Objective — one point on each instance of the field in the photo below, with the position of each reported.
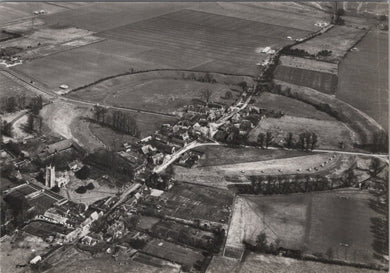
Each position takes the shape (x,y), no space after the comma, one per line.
(309,64)
(9,87)
(330,133)
(19,252)
(189,201)
(364,76)
(221,155)
(321,81)
(205,37)
(362,125)
(313,222)
(330,40)
(260,263)
(75,261)
(161,91)
(162,36)
(302,16)
(226,175)
(290,106)
(173,252)
(13,11)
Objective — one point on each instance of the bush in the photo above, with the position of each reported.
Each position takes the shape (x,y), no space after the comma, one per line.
(90,186)
(83,173)
(56,189)
(81,190)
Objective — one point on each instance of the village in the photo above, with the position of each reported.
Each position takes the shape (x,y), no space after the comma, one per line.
(224,171)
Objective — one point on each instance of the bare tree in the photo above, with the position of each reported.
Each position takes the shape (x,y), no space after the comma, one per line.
(206,94)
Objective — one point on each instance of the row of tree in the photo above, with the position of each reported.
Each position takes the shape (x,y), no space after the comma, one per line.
(20,102)
(117,120)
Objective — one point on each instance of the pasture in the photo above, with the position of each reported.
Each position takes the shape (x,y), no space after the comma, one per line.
(147,124)
(364,76)
(162,91)
(290,106)
(330,133)
(334,225)
(221,155)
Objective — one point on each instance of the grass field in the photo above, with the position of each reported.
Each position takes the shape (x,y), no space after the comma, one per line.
(291,107)
(330,133)
(147,124)
(330,40)
(362,125)
(220,155)
(20,252)
(161,91)
(313,222)
(364,76)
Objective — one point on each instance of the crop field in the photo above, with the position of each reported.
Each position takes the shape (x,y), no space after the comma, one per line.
(330,40)
(309,64)
(313,222)
(364,76)
(276,13)
(321,81)
(290,106)
(204,36)
(164,36)
(79,66)
(163,91)
(9,87)
(14,11)
(330,133)
(220,155)
(262,263)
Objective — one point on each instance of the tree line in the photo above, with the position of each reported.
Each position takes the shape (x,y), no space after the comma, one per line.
(115,119)
(15,103)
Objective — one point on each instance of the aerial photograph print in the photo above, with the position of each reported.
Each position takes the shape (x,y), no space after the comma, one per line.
(192,136)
